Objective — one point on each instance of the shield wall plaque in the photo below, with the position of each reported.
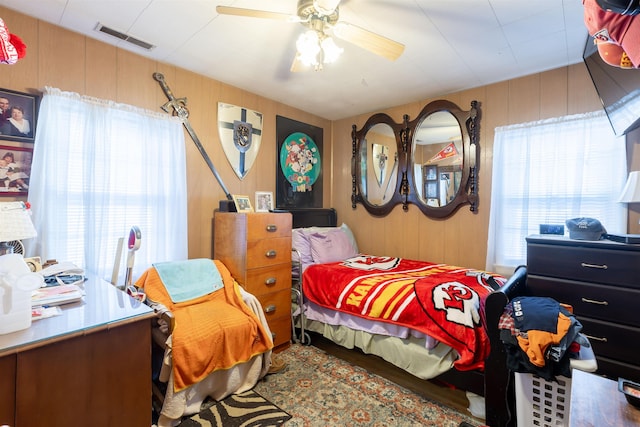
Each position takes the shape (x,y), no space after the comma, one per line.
(240,131)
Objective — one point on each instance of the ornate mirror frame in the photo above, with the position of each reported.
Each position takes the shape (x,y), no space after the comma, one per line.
(394,183)
(402,169)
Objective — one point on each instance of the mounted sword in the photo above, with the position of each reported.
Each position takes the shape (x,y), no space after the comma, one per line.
(179,106)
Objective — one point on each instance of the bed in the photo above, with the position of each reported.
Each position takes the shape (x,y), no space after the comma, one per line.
(467,357)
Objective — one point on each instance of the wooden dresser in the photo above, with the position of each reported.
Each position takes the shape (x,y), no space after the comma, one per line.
(601,280)
(256,248)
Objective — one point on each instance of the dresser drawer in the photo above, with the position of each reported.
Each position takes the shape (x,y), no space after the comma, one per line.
(276,304)
(266,252)
(268,279)
(610,303)
(267,225)
(617,342)
(280,330)
(615,369)
(599,265)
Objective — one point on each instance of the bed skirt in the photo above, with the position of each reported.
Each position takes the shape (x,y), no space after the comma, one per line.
(409,354)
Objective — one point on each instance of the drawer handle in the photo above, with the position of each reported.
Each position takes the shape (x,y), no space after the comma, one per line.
(271,228)
(598,266)
(270,281)
(601,339)
(270,254)
(592,301)
(270,308)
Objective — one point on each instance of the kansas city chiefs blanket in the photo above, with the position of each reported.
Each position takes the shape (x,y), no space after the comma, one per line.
(440,300)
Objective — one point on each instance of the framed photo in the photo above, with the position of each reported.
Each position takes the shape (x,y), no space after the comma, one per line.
(18,115)
(264,201)
(430,173)
(432,189)
(15,170)
(243,203)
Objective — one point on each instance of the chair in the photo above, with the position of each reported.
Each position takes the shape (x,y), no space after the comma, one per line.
(211,337)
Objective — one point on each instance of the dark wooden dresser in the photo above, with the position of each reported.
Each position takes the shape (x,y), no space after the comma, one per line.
(601,280)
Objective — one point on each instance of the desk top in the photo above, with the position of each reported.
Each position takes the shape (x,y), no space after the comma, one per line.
(103,306)
(596,401)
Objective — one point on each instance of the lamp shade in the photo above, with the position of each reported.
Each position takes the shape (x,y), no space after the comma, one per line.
(15,222)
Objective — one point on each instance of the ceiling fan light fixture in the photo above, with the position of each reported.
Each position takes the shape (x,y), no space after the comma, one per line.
(330,50)
(325,7)
(308,46)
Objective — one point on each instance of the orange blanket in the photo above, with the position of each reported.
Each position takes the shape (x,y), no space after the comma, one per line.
(216,331)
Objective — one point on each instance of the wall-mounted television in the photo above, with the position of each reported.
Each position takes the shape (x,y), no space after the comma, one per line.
(618,88)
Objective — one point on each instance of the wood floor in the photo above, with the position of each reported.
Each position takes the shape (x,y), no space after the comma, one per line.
(448,396)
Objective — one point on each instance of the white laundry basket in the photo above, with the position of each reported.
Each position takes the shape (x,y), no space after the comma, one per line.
(542,403)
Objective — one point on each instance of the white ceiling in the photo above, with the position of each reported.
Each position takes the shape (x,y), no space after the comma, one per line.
(451,45)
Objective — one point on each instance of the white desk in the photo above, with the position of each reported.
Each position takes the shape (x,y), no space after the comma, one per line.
(89,366)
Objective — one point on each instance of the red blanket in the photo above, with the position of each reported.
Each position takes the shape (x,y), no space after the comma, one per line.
(439,300)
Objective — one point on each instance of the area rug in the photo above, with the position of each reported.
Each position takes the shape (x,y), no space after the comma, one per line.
(245,409)
(318,389)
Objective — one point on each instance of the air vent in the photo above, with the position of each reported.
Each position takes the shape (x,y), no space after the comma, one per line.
(124,37)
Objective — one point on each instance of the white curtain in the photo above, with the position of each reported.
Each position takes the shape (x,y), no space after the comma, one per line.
(100,168)
(549,171)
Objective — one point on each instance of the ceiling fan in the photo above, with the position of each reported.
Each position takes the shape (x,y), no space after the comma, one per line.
(322,18)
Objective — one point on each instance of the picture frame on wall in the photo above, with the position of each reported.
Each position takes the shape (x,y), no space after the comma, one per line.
(18,116)
(15,170)
(243,203)
(264,201)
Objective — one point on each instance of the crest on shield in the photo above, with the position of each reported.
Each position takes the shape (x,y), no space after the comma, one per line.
(240,131)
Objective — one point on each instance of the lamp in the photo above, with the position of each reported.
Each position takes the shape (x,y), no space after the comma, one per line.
(312,44)
(15,225)
(631,192)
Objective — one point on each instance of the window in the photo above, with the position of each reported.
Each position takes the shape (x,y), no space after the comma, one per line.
(547,172)
(100,168)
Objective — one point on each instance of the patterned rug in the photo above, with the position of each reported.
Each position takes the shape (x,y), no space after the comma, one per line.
(244,409)
(318,389)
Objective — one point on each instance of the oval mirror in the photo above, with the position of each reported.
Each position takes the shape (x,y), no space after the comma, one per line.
(376,164)
(440,159)
(437,156)
(378,177)
(429,162)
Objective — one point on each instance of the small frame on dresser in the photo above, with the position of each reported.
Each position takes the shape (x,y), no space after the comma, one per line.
(18,115)
(264,201)
(243,203)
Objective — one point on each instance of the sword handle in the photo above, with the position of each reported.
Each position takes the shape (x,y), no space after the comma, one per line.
(159,77)
(178,105)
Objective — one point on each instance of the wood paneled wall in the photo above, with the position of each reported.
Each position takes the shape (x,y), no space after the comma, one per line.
(462,238)
(71,62)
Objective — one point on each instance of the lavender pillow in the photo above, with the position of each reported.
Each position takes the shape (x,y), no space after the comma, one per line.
(331,246)
(300,242)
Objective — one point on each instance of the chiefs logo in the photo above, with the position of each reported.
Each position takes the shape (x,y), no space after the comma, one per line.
(368,263)
(458,302)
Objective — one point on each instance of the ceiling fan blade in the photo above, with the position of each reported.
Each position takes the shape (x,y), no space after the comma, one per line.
(253,13)
(368,40)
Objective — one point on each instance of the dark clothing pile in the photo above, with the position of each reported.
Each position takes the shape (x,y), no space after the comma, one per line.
(540,336)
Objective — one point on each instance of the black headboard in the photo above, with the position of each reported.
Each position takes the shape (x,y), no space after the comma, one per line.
(310,217)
